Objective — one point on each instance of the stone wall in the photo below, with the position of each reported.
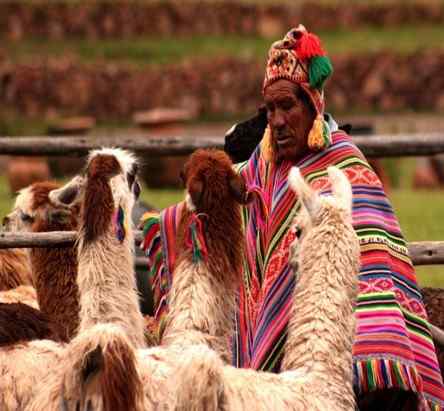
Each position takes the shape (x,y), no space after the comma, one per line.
(382,81)
(107,19)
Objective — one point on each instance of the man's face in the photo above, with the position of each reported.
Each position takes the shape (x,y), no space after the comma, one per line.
(290,116)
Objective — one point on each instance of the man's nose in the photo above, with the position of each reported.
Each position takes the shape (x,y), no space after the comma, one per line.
(278,122)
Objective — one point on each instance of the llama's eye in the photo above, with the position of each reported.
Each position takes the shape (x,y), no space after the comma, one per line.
(298,231)
(130,178)
(137,190)
(26,218)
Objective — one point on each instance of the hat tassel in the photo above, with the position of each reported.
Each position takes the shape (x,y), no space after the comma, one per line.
(319,136)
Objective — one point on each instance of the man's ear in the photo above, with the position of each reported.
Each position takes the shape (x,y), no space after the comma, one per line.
(238,189)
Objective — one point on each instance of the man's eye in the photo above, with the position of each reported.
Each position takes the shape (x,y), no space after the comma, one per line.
(287,105)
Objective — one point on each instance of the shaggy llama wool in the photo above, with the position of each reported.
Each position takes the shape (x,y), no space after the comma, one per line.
(322,324)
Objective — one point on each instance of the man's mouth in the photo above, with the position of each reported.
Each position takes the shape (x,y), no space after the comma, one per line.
(283,141)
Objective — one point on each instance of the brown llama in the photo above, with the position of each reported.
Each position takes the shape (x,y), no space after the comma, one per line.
(46,375)
(54,269)
(20,322)
(106,278)
(206,276)
(15,268)
(322,324)
(199,307)
(111,326)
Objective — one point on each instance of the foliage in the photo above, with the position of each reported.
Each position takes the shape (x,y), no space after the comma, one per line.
(148,50)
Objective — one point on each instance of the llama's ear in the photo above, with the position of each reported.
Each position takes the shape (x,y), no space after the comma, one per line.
(93,363)
(195,191)
(305,193)
(341,187)
(67,195)
(238,189)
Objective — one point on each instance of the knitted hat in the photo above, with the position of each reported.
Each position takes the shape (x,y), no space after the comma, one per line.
(300,58)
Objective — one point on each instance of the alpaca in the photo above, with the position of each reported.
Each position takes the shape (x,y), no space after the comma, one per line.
(20,322)
(15,269)
(202,299)
(54,269)
(115,170)
(200,308)
(106,278)
(55,272)
(322,324)
(242,138)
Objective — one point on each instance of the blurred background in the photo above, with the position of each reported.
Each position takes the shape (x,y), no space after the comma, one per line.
(161,67)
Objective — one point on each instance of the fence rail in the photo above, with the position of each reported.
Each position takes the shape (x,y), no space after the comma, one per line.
(384,145)
(422,253)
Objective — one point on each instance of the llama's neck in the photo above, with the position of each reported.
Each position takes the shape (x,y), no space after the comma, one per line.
(55,274)
(322,324)
(107,285)
(201,309)
(202,297)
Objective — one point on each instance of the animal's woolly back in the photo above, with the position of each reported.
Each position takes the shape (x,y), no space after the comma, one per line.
(327,258)
(106,194)
(210,246)
(341,190)
(54,270)
(321,325)
(214,193)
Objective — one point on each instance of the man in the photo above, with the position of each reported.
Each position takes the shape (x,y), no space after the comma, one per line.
(395,363)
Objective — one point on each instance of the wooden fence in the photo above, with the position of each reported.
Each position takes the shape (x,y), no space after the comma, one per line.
(422,253)
(372,146)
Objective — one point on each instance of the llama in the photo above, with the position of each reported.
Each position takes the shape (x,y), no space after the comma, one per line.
(114,172)
(15,269)
(54,270)
(106,276)
(19,322)
(206,276)
(111,325)
(200,308)
(321,326)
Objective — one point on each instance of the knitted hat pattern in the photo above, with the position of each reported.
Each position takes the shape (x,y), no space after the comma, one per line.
(300,58)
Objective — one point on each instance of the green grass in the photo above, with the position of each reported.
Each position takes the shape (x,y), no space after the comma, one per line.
(143,51)
(419,214)
(162,197)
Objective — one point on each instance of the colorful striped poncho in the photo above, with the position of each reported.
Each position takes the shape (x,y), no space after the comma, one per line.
(393,347)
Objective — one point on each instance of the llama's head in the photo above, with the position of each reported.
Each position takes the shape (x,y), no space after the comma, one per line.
(243,138)
(106,192)
(315,207)
(211,183)
(98,373)
(28,203)
(317,210)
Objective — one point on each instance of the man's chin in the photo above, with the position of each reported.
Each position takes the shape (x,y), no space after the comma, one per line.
(284,153)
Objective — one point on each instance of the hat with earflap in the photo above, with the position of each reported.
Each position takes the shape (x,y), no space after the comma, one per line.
(300,58)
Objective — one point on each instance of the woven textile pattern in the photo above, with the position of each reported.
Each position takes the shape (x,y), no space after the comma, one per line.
(393,345)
